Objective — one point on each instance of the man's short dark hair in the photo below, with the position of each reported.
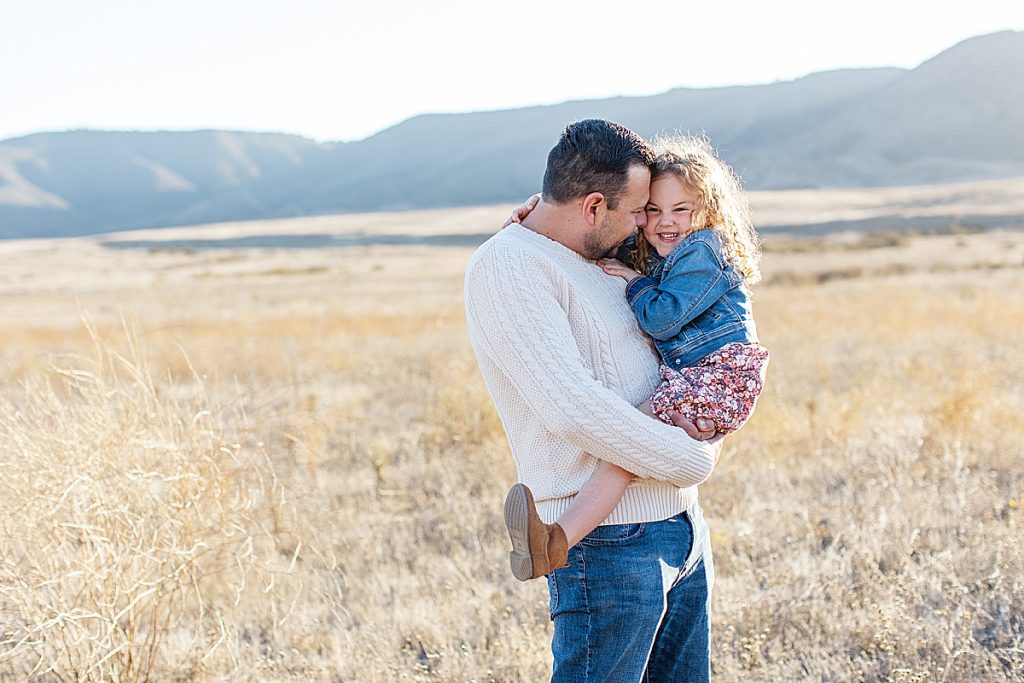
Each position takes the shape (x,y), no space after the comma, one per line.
(594,155)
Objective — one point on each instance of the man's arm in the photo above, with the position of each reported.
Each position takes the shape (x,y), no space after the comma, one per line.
(516,320)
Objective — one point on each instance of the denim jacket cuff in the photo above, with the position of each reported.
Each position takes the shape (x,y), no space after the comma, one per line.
(639,285)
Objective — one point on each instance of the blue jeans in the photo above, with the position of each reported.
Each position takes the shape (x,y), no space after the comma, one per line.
(632,606)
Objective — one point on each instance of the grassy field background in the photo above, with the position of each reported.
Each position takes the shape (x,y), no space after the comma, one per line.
(244,463)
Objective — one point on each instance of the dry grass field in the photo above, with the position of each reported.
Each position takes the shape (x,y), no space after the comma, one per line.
(280,464)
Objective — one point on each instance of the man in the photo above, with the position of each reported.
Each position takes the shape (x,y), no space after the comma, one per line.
(566,364)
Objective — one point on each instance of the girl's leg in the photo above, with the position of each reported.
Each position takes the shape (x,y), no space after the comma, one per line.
(595,501)
(538,548)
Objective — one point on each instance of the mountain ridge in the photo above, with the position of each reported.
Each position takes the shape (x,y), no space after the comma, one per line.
(954,117)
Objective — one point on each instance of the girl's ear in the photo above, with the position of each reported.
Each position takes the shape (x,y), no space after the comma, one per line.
(701,216)
(697,215)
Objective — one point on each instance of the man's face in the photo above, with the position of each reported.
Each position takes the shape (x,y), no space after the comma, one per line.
(622,221)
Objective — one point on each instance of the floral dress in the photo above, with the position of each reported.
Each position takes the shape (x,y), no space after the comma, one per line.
(723,387)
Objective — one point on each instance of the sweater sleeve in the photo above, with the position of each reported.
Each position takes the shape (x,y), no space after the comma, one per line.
(515,318)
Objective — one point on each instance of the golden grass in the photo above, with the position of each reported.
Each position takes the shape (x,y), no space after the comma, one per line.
(290,470)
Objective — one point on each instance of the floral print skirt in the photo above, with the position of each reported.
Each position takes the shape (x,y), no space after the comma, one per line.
(723,386)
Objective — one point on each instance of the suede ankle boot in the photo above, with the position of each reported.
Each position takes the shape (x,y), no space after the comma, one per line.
(537,548)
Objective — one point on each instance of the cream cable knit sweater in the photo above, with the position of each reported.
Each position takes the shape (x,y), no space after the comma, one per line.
(566,364)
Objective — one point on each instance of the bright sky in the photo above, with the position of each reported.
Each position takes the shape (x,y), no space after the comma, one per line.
(342,70)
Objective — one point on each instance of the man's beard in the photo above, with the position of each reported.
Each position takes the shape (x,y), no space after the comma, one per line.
(598,243)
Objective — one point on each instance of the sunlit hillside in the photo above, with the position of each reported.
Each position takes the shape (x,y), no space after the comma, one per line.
(949,119)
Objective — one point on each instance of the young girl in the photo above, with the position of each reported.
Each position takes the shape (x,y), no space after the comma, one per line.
(687,280)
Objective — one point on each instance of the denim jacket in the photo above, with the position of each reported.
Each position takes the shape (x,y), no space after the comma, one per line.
(693,302)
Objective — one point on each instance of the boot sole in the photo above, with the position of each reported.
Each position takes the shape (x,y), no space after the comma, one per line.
(518,522)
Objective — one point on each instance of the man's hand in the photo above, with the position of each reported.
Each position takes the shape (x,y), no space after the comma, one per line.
(522,211)
(703,430)
(615,267)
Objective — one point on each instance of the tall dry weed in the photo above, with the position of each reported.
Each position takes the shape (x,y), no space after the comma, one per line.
(138,522)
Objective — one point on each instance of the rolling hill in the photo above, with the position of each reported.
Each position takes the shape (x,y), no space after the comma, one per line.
(956,117)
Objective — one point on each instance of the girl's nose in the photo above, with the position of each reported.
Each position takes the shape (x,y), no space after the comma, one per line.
(665,218)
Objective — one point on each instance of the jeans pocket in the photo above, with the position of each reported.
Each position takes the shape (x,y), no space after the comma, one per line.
(690,555)
(552,595)
(614,534)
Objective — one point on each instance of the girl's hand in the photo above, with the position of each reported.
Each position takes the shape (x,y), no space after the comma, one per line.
(521,212)
(618,268)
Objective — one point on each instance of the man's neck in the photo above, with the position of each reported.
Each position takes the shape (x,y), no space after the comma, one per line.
(558,223)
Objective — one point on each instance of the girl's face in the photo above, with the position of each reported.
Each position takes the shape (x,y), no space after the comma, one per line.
(668,213)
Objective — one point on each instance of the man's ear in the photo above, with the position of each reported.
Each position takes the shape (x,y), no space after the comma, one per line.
(594,207)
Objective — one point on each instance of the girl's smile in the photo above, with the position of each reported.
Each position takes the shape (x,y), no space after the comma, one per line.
(669,213)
